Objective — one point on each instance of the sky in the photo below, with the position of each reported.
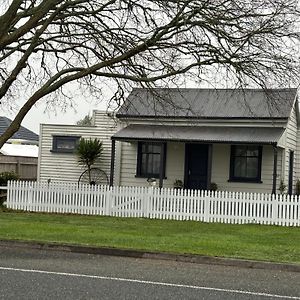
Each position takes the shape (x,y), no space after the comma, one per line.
(37,115)
(82,104)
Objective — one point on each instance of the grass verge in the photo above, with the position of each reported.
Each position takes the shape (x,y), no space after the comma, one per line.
(258,242)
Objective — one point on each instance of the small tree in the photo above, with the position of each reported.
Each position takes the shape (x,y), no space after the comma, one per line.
(86,121)
(88,152)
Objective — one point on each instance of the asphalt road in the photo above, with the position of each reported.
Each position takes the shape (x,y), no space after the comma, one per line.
(41,274)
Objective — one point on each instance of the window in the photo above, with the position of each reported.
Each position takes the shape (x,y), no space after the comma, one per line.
(149,158)
(64,144)
(245,163)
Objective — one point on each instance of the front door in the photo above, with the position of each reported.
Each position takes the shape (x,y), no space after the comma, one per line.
(196,166)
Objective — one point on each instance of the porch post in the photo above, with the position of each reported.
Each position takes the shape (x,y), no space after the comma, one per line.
(161,167)
(275,152)
(112,162)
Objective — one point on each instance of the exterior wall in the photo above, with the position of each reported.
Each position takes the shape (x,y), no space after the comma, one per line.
(174,165)
(220,168)
(64,166)
(291,145)
(297,162)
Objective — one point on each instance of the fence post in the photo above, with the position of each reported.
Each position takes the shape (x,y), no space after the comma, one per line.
(206,206)
(108,206)
(9,199)
(147,203)
(275,203)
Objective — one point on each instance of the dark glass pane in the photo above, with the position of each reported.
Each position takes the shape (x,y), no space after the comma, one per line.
(144,148)
(240,167)
(150,164)
(252,167)
(144,164)
(65,144)
(252,151)
(155,164)
(156,148)
(241,151)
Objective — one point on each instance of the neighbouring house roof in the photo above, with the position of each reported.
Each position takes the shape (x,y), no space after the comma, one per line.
(255,135)
(209,103)
(20,150)
(23,133)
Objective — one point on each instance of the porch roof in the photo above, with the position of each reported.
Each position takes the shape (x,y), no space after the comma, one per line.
(211,134)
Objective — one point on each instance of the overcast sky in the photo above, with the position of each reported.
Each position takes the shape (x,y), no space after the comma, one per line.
(38,115)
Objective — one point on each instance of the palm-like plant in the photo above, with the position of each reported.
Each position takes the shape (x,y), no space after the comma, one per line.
(88,152)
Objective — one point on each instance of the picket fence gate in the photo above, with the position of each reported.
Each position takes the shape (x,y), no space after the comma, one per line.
(149,202)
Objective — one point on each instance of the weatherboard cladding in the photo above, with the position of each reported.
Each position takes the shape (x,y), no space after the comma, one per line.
(22,134)
(209,103)
(261,135)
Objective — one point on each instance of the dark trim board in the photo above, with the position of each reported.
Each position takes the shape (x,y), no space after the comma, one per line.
(291,172)
(191,141)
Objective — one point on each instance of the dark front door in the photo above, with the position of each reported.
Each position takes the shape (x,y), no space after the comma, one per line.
(196,166)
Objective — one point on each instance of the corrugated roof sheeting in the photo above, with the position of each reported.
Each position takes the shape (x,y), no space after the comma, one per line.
(209,103)
(20,150)
(255,135)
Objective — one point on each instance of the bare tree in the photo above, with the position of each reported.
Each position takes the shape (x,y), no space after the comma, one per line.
(46,44)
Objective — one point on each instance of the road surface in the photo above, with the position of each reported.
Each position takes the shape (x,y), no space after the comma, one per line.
(48,274)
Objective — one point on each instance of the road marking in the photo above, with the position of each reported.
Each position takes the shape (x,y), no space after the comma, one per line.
(151,282)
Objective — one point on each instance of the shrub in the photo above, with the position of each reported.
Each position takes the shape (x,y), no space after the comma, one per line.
(88,152)
(213,186)
(178,184)
(282,187)
(4,178)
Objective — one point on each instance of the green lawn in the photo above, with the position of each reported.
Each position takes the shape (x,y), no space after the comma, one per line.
(269,243)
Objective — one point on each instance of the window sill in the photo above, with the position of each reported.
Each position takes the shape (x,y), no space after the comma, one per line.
(244,180)
(63,152)
(148,176)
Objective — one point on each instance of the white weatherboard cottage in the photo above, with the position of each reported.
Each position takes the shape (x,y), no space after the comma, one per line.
(242,140)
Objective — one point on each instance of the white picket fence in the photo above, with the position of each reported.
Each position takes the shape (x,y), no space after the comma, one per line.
(220,206)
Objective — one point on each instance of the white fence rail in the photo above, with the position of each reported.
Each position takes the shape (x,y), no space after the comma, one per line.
(220,206)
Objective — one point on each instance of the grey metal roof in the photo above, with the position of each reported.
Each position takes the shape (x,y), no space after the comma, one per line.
(209,103)
(253,135)
(22,134)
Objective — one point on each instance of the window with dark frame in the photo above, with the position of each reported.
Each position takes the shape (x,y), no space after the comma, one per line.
(149,158)
(64,144)
(245,163)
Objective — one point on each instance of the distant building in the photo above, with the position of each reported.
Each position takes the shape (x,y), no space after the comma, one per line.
(20,153)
